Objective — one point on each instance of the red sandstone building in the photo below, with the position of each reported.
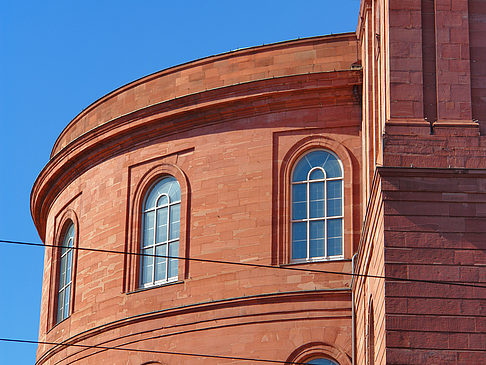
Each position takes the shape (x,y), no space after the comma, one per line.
(354,153)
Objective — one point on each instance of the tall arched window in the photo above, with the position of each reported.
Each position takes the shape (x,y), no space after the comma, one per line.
(160,233)
(65,274)
(317,207)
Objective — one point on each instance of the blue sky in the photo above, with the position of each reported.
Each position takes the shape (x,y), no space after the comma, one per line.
(57,57)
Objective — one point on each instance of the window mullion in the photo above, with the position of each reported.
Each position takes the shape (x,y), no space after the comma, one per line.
(308,219)
(61,275)
(68,279)
(70,252)
(325,218)
(60,308)
(142,249)
(167,246)
(155,245)
(342,216)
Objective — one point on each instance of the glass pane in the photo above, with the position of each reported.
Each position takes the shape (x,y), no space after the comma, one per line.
(316,195)
(299,240)
(60,306)
(334,237)
(163,200)
(334,189)
(316,209)
(334,207)
(71,235)
(175,216)
(299,211)
(163,186)
(299,197)
(334,202)
(316,241)
(151,199)
(316,175)
(299,231)
(167,185)
(148,232)
(161,235)
(68,239)
(317,158)
(161,263)
(62,273)
(301,170)
(334,228)
(147,265)
(332,167)
(316,229)
(321,361)
(316,248)
(174,191)
(299,250)
(69,257)
(173,262)
(66,301)
(335,246)
(299,193)
(316,190)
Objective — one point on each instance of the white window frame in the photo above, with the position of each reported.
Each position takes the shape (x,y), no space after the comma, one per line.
(325,218)
(156,244)
(68,241)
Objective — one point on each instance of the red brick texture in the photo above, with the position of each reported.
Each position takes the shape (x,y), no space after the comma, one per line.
(423,181)
(435,224)
(423,224)
(228,148)
(402,103)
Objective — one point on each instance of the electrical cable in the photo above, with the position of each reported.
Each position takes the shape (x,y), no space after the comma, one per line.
(16,340)
(443,282)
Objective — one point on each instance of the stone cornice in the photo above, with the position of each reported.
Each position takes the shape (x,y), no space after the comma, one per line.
(167,118)
(231,56)
(430,172)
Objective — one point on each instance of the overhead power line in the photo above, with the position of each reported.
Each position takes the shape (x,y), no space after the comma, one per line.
(247,264)
(99,347)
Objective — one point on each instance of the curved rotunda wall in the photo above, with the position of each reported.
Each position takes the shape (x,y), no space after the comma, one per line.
(318,54)
(232,160)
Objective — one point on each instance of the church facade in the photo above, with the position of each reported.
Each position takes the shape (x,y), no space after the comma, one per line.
(318,201)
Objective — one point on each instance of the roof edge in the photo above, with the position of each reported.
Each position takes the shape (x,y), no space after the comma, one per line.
(194,63)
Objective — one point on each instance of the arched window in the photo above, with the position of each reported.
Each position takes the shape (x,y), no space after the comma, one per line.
(317,207)
(321,361)
(65,274)
(160,233)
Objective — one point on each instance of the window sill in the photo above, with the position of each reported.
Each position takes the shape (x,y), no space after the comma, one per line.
(58,323)
(138,290)
(318,261)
